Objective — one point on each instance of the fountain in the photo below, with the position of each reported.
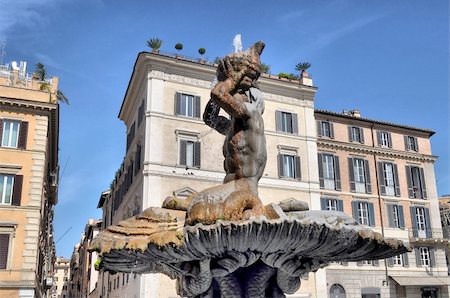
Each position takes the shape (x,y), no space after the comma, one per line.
(223,241)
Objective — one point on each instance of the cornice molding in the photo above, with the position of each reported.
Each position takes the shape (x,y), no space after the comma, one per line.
(27,104)
(374,150)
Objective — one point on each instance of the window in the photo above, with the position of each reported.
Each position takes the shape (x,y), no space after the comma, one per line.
(363,212)
(5,239)
(397,260)
(337,291)
(289,166)
(187,105)
(395,216)
(331,204)
(141,112)
(286,122)
(421,222)
(329,174)
(359,175)
(6,189)
(416,182)
(10,133)
(424,256)
(137,159)
(13,133)
(325,129)
(189,153)
(388,176)
(384,139)
(356,134)
(65,279)
(411,143)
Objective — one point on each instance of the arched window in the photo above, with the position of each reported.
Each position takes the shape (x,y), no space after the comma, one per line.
(337,291)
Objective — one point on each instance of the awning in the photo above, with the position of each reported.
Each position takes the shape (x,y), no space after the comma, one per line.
(422,281)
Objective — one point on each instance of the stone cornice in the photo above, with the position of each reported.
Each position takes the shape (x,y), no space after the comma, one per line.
(374,150)
(27,104)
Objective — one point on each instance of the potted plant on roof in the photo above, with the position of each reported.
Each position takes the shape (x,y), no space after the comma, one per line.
(201,51)
(178,47)
(154,44)
(302,67)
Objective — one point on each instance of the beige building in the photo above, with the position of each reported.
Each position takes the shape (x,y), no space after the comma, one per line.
(83,276)
(29,126)
(61,276)
(383,175)
(170,151)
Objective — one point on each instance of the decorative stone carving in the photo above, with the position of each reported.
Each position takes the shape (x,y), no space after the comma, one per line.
(222,241)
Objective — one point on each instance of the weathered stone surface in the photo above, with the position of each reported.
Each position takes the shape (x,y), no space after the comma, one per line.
(271,253)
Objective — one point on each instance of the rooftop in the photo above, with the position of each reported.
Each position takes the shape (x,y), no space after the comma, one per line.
(349,115)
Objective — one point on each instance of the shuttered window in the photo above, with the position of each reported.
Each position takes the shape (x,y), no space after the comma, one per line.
(425,257)
(395,216)
(329,171)
(356,134)
(384,139)
(137,159)
(411,143)
(416,182)
(325,129)
(363,213)
(289,166)
(4,249)
(190,153)
(286,122)
(421,222)
(13,133)
(388,179)
(10,189)
(187,105)
(359,175)
(331,204)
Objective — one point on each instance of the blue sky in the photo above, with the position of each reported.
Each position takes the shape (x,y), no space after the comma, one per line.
(390,59)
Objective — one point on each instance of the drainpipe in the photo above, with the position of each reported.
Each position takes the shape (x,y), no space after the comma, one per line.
(379,199)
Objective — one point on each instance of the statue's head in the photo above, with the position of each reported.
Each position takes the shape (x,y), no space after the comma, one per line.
(248,62)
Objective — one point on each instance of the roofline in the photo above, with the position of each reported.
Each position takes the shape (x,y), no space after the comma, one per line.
(101,201)
(425,130)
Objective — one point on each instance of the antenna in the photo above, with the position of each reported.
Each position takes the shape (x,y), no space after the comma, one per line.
(2,51)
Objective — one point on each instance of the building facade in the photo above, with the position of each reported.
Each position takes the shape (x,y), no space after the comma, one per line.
(29,126)
(329,160)
(83,276)
(168,150)
(61,274)
(382,174)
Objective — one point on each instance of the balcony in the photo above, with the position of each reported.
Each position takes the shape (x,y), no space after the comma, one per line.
(427,235)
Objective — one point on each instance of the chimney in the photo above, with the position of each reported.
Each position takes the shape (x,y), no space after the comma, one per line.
(354,113)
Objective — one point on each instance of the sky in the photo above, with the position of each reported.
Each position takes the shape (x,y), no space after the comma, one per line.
(389,59)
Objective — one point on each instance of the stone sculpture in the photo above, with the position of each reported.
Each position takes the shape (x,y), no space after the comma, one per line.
(222,241)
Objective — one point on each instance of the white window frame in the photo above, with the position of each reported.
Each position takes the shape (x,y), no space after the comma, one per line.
(288,165)
(356,134)
(187,105)
(8,140)
(384,139)
(421,223)
(389,179)
(286,123)
(359,175)
(425,256)
(6,192)
(328,171)
(397,260)
(396,216)
(411,143)
(325,129)
(363,213)
(331,204)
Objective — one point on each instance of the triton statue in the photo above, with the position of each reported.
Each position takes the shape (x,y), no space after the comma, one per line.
(222,241)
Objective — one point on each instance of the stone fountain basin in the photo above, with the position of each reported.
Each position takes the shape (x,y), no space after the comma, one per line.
(298,242)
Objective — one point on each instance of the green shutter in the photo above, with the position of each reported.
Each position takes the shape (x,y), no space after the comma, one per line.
(337,174)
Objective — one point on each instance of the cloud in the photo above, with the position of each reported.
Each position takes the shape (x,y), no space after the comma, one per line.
(292,15)
(327,38)
(23,12)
